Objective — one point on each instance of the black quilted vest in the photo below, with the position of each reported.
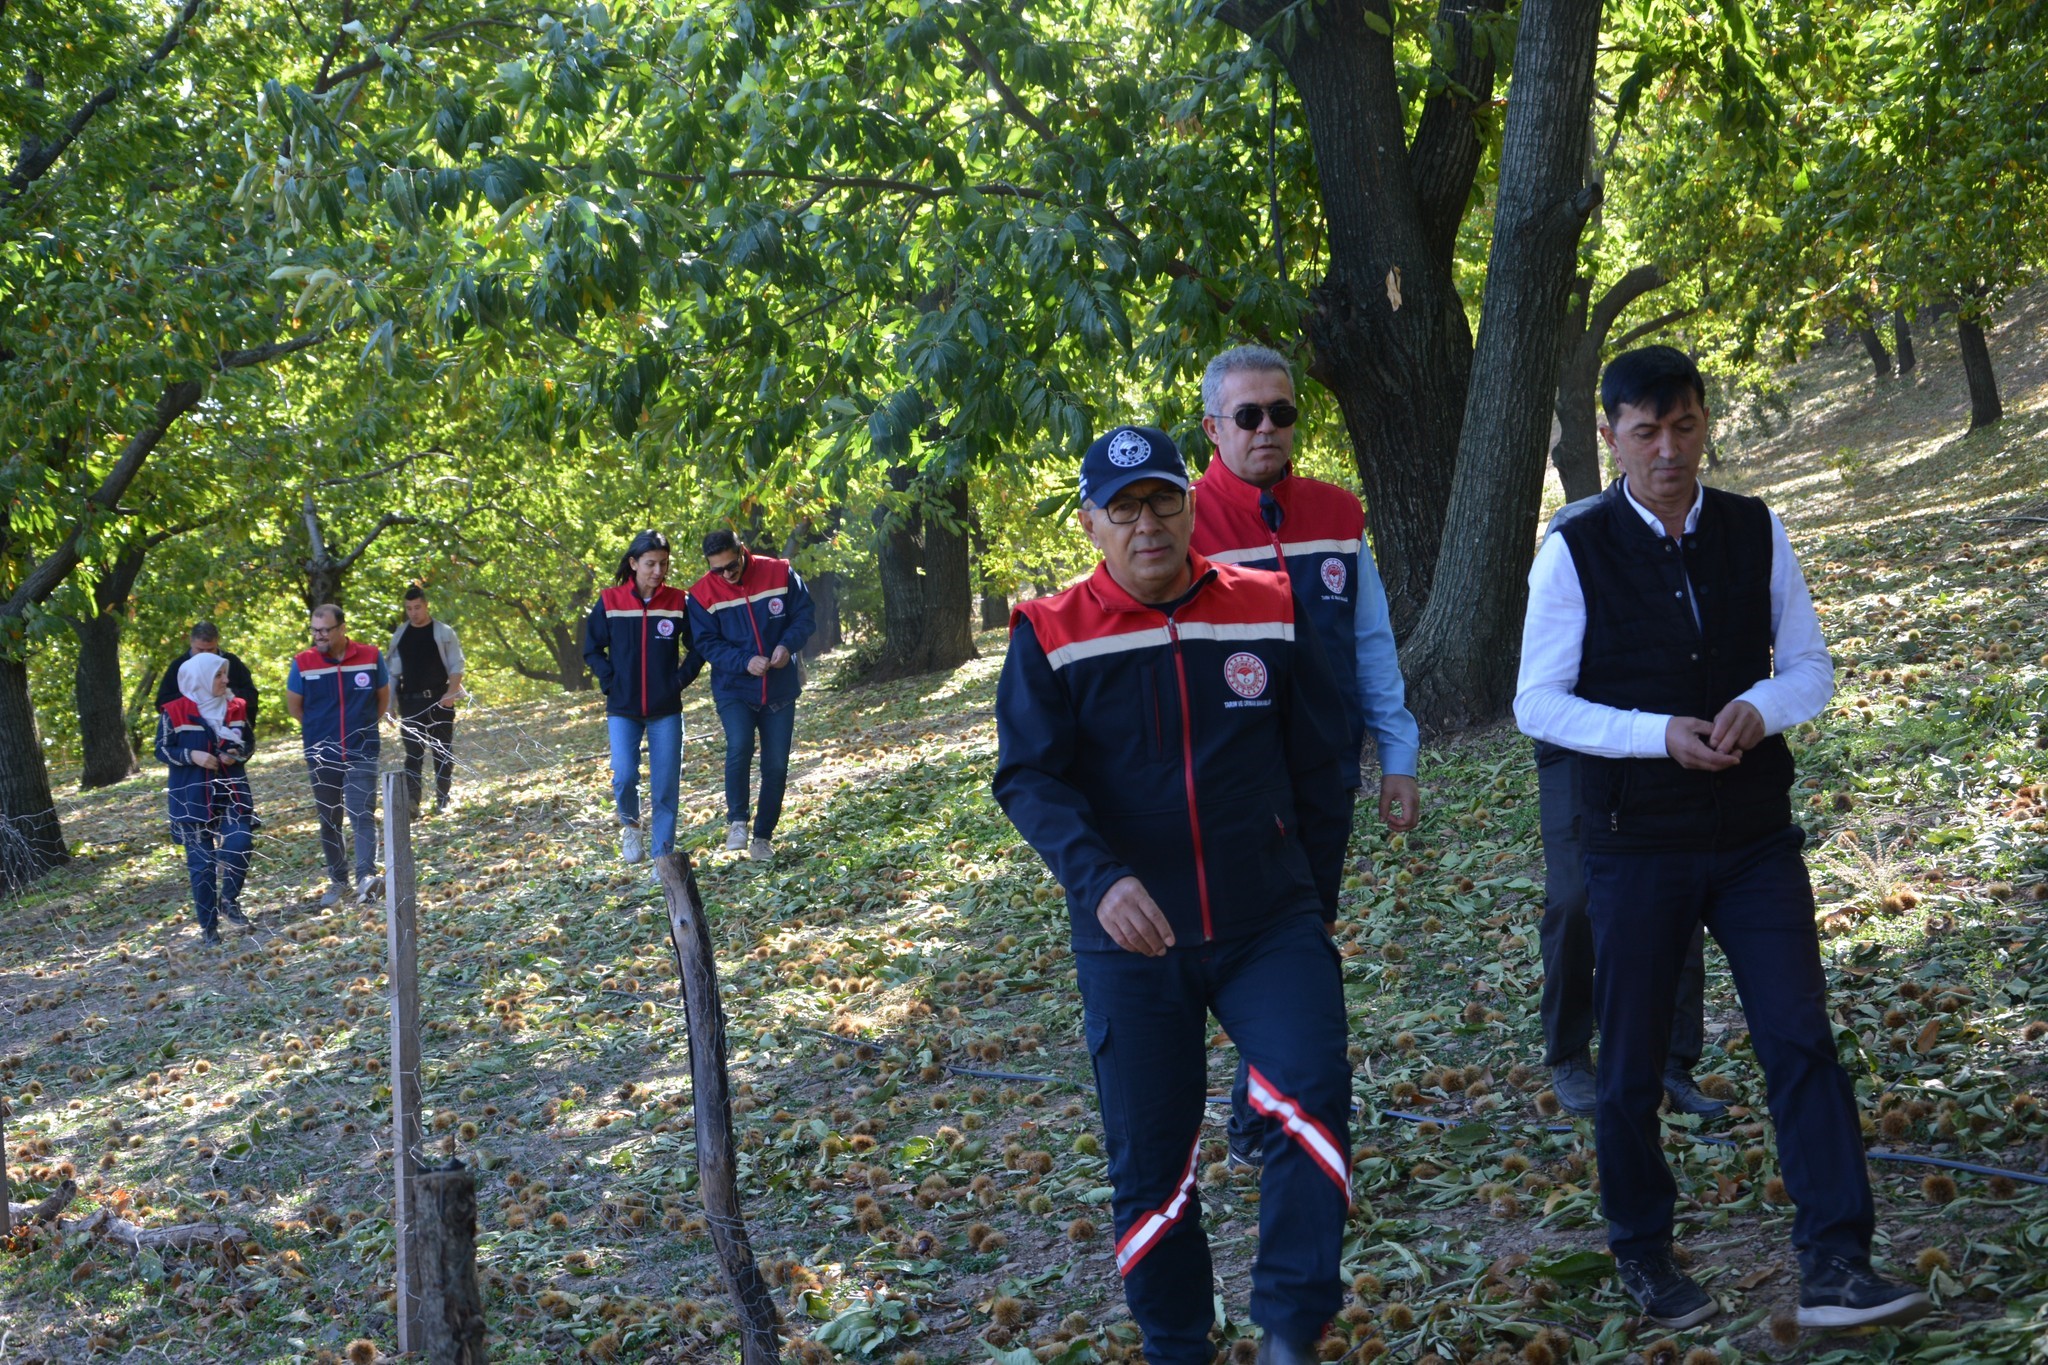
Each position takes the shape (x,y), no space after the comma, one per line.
(1644,651)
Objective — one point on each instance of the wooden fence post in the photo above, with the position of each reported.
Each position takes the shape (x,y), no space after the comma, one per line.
(401,907)
(451,1318)
(716,1175)
(6,1211)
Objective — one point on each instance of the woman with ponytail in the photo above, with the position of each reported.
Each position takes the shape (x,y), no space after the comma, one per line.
(637,643)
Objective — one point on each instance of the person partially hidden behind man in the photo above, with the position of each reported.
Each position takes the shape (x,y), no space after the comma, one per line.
(1172,742)
(1669,642)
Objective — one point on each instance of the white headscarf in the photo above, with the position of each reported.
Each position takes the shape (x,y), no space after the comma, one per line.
(195,680)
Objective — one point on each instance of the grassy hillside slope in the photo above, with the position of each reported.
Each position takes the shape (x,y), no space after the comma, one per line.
(905,941)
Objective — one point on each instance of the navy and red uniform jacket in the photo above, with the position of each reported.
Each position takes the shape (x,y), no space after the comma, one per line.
(339,721)
(1195,746)
(205,798)
(1314,532)
(734,622)
(640,652)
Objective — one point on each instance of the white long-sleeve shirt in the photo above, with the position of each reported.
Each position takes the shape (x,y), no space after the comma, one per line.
(1554,635)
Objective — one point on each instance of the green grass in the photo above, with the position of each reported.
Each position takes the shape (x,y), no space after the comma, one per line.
(904,930)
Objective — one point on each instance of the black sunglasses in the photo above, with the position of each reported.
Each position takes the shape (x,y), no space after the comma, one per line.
(1249,415)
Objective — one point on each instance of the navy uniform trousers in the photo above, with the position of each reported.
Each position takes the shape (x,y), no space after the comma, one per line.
(1567,935)
(1279,995)
(1757,902)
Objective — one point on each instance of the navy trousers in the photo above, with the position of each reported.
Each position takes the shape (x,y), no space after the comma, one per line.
(216,861)
(1758,904)
(1280,997)
(1567,936)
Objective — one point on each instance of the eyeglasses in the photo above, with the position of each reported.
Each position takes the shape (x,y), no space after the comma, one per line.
(1167,502)
(1249,415)
(323,630)
(732,568)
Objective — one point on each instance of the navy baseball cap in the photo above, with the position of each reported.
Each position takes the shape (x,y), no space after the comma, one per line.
(1125,455)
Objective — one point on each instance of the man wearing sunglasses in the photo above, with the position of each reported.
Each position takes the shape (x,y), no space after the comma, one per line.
(1168,740)
(1251,508)
(751,617)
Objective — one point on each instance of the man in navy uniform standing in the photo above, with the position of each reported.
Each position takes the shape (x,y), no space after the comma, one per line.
(1251,508)
(1669,642)
(1170,742)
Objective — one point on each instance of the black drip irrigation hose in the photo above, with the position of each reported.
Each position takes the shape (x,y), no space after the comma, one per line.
(1874,1154)
(1005,1075)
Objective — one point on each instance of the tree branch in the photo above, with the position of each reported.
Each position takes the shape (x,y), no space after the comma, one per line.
(390,467)
(1011,100)
(47,576)
(384,523)
(1654,325)
(1623,292)
(36,157)
(1445,152)
(316,543)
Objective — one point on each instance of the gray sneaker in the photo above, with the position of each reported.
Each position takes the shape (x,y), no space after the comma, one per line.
(632,843)
(369,885)
(736,837)
(760,850)
(331,897)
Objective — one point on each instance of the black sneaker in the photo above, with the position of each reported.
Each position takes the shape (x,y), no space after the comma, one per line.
(1576,1084)
(1667,1295)
(209,937)
(1685,1097)
(231,911)
(1845,1292)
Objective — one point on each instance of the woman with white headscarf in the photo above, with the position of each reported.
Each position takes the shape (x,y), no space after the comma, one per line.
(203,737)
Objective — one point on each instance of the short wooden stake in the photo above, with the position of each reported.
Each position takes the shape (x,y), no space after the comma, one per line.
(451,1318)
(717,1180)
(401,905)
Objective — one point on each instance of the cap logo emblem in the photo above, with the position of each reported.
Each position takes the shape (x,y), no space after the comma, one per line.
(1245,674)
(1333,574)
(1128,450)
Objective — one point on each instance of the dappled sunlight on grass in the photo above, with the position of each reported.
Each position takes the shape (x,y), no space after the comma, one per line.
(903,938)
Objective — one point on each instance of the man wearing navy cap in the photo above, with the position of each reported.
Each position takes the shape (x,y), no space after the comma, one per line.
(1171,742)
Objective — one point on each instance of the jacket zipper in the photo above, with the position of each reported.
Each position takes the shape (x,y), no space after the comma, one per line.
(1187,761)
(649,602)
(341,707)
(760,647)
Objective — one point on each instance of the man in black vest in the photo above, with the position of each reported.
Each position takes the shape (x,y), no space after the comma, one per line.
(425,660)
(1568,945)
(1669,643)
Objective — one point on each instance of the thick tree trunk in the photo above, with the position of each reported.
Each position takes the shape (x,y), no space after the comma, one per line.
(995,608)
(830,630)
(31,840)
(927,593)
(1902,342)
(1985,407)
(1390,338)
(1873,346)
(1577,454)
(565,643)
(1460,663)
(827,632)
(96,679)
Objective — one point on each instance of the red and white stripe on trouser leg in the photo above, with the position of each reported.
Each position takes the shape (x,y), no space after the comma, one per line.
(1146,1232)
(1313,1137)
